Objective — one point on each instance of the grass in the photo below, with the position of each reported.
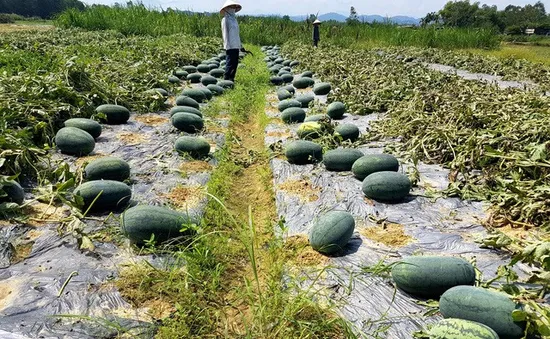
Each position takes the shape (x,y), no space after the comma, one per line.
(231,283)
(532,53)
(138,19)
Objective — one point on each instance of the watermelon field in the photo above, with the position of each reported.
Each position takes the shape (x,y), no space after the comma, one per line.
(336,192)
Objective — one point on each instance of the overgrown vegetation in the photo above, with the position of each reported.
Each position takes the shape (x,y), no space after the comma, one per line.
(494,141)
(48,77)
(38,8)
(137,19)
(509,68)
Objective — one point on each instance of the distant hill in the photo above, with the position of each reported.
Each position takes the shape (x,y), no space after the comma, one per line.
(400,20)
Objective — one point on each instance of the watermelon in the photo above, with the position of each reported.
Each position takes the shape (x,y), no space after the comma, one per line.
(283,72)
(203,68)
(287,78)
(217,73)
(289,88)
(208,80)
(276,80)
(387,186)
(373,163)
(336,110)
(185,109)
(309,130)
(180,73)
(303,82)
(286,69)
(215,89)
(460,329)
(88,125)
(207,93)
(347,132)
(288,103)
(274,70)
(295,63)
(307,74)
(341,159)
(183,100)
(305,99)
(115,114)
(303,152)
(14,192)
(431,276)
(283,94)
(187,122)
(322,88)
(74,141)
(490,308)
(109,168)
(194,78)
(111,195)
(286,63)
(190,69)
(331,232)
(293,115)
(226,84)
(196,147)
(139,223)
(173,79)
(195,94)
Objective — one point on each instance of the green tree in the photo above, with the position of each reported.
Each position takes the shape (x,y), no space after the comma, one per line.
(353,17)
(431,18)
(459,13)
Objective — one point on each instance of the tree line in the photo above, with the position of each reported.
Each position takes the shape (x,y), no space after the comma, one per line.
(38,8)
(512,19)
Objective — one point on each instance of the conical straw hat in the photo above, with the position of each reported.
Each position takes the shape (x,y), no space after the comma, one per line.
(316,22)
(231,3)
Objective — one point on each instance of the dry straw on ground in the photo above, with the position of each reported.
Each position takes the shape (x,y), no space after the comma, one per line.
(389,234)
(131,138)
(152,120)
(304,189)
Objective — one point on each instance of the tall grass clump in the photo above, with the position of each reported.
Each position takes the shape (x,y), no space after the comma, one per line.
(140,20)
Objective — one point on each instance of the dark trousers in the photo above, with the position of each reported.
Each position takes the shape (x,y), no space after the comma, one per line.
(232,61)
(315,42)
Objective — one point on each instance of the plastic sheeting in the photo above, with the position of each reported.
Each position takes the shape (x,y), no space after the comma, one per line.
(90,307)
(444,226)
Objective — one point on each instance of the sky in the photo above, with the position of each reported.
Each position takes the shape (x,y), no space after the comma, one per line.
(413,8)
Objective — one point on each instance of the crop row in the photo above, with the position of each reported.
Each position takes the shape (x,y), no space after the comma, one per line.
(493,140)
(508,68)
(48,77)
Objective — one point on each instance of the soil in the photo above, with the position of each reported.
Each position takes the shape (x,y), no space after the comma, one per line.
(186,197)
(301,254)
(301,188)
(195,166)
(389,234)
(152,120)
(131,138)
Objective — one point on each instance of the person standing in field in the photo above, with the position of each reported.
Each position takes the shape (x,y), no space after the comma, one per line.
(231,38)
(316,35)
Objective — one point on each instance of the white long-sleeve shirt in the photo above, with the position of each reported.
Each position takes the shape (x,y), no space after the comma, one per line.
(230,33)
